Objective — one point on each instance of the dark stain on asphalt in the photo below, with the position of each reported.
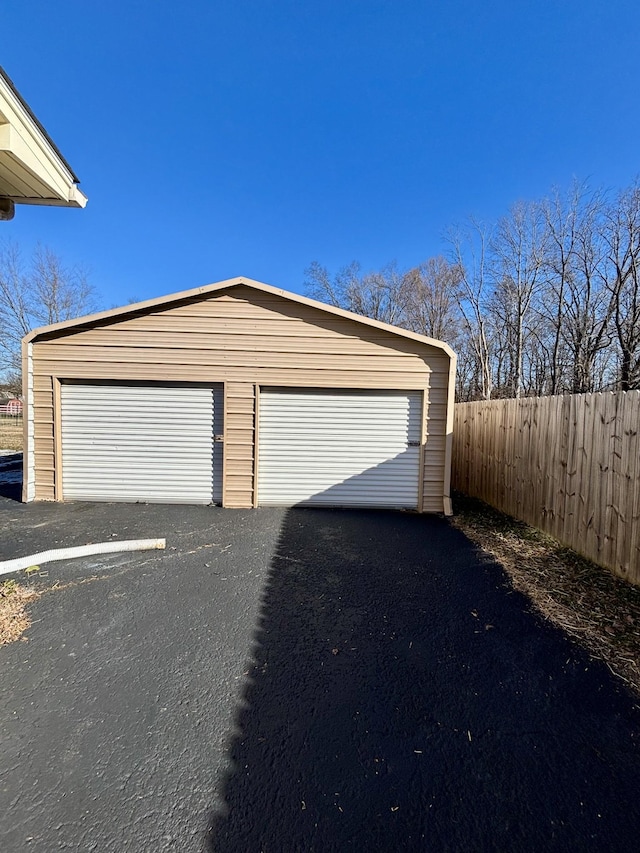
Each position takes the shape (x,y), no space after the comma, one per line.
(404,698)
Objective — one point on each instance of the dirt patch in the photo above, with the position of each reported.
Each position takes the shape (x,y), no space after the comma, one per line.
(14,618)
(11,433)
(594,607)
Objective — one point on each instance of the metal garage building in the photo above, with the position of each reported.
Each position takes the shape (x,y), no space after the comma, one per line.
(239,394)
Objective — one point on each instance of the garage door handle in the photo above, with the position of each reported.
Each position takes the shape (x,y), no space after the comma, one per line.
(413,444)
(218,438)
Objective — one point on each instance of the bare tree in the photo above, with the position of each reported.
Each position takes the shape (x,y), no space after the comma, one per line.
(469,247)
(561,214)
(517,250)
(588,303)
(379,295)
(36,293)
(59,292)
(429,296)
(545,301)
(15,306)
(376,294)
(622,234)
(320,285)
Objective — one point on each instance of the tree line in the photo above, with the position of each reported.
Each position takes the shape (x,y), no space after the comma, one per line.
(35,291)
(546,300)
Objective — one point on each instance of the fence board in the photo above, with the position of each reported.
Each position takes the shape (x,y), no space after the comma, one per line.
(568,465)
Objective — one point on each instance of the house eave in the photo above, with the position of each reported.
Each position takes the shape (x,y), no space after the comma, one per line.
(32,169)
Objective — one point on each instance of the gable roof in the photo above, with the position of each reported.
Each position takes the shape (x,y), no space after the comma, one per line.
(115,314)
(32,169)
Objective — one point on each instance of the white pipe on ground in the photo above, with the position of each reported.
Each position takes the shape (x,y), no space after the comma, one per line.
(80,551)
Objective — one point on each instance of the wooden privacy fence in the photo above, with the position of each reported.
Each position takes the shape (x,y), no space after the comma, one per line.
(568,465)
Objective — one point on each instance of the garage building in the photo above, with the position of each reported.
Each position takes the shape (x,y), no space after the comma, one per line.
(239,394)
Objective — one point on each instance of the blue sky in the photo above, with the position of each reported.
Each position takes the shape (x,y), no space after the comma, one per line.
(251,137)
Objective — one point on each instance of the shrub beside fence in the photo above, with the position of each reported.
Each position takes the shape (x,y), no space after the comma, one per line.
(568,465)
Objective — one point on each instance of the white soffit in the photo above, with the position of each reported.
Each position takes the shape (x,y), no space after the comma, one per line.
(32,170)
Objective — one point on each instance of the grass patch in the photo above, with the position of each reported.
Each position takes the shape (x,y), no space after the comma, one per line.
(14,619)
(10,433)
(599,610)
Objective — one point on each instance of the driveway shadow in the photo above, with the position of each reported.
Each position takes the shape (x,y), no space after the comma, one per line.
(403,698)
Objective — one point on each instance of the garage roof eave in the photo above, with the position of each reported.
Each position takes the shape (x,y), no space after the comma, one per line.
(165,301)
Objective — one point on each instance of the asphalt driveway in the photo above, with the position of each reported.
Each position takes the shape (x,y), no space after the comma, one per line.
(291,680)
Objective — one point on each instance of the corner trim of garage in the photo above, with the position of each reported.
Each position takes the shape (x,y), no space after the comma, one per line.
(256,445)
(223,496)
(57,437)
(423,440)
(448,443)
(26,390)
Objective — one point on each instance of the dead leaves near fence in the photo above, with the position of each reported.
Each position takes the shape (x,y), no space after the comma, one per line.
(14,619)
(594,607)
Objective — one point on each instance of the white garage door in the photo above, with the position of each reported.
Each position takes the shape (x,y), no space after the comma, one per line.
(351,448)
(139,442)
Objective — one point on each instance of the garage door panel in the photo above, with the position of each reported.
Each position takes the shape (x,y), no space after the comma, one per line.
(141,443)
(352,448)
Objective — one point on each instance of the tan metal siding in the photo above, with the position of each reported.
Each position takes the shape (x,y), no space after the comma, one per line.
(239,444)
(387,364)
(178,371)
(245,338)
(44,444)
(433,470)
